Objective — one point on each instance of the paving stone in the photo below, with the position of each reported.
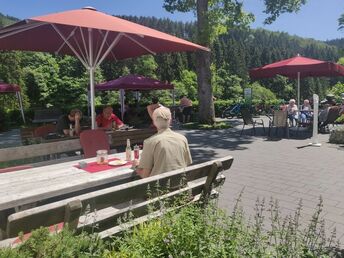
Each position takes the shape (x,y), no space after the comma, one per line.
(276,168)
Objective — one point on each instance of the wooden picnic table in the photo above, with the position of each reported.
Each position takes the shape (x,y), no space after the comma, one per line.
(36,184)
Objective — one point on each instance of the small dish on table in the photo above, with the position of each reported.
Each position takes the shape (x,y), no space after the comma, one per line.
(117,162)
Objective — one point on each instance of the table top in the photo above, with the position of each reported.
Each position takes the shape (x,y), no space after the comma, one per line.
(32,185)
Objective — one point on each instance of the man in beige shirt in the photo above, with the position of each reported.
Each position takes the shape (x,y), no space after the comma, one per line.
(164,151)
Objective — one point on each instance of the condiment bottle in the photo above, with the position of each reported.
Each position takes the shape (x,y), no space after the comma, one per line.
(71,130)
(136,152)
(128,151)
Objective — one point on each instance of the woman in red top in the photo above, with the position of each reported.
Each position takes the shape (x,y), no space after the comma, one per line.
(107,118)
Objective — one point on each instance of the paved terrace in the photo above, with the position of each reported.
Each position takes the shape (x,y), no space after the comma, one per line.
(276,168)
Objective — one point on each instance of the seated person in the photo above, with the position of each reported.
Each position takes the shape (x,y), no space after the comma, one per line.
(341,110)
(66,122)
(164,151)
(292,111)
(306,111)
(108,120)
(155,104)
(186,105)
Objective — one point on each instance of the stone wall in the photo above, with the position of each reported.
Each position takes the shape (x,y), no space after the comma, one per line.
(337,135)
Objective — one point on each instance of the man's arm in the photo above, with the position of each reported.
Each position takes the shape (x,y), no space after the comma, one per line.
(143,172)
(77,123)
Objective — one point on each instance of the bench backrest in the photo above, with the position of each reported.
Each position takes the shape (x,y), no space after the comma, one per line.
(120,199)
(36,150)
(116,139)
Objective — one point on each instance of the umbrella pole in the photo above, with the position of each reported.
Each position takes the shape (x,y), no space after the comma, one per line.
(298,90)
(21,105)
(91,69)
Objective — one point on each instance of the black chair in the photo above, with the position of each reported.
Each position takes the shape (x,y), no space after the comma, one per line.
(248,120)
(333,114)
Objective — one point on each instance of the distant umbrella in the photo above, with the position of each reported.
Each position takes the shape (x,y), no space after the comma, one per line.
(298,67)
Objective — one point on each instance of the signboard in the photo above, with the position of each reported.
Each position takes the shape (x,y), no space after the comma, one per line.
(248,94)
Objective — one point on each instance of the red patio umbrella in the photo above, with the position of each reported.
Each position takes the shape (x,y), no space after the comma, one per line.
(298,67)
(91,36)
(13,88)
(133,82)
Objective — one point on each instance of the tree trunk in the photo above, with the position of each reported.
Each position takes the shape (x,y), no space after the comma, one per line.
(205,91)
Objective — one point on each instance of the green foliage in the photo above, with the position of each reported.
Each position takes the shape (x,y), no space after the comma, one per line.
(187,85)
(64,244)
(262,94)
(209,232)
(275,8)
(341,22)
(221,16)
(337,90)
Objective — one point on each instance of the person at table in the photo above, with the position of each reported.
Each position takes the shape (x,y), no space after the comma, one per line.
(108,120)
(306,111)
(341,107)
(186,105)
(155,104)
(164,151)
(292,111)
(66,122)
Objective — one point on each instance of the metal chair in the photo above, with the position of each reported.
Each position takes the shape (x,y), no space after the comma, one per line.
(248,120)
(93,140)
(279,120)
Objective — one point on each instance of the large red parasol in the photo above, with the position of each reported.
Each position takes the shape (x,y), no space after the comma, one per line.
(298,67)
(91,36)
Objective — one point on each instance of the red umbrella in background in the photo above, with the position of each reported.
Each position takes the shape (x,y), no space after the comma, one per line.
(91,36)
(133,82)
(13,88)
(298,67)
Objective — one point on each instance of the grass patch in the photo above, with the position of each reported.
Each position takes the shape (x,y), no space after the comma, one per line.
(198,126)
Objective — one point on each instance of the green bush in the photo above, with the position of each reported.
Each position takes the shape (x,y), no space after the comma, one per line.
(64,244)
(198,232)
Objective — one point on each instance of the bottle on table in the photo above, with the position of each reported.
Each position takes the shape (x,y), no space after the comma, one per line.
(136,152)
(71,130)
(128,151)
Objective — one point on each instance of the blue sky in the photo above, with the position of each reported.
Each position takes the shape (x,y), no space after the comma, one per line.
(317,19)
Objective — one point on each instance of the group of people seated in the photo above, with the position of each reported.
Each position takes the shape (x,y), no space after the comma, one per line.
(71,124)
(164,151)
(106,120)
(305,114)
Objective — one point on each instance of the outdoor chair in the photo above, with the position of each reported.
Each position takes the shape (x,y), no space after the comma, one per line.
(279,120)
(248,120)
(332,116)
(305,124)
(93,140)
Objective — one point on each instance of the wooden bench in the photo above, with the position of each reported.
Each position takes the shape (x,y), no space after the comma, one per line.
(105,207)
(56,146)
